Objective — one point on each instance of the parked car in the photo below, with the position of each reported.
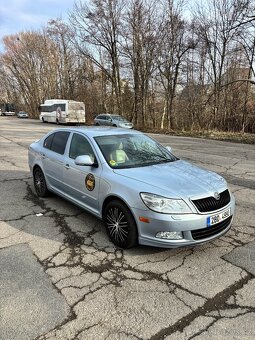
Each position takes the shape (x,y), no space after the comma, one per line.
(8,113)
(22,114)
(112,120)
(143,193)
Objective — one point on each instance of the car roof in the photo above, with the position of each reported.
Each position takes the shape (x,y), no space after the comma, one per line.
(108,114)
(96,131)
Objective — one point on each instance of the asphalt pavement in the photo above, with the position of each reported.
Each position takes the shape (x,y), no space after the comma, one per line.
(61,278)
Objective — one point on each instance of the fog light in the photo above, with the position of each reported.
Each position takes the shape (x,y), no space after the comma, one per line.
(170,235)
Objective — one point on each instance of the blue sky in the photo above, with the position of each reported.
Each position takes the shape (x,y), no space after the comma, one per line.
(21,15)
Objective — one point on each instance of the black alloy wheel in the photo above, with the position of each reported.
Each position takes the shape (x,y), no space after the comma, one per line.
(40,183)
(120,225)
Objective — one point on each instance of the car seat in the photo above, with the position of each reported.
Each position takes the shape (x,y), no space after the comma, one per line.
(119,156)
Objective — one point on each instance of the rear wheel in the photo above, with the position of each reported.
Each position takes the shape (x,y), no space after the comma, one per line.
(40,183)
(120,224)
(57,120)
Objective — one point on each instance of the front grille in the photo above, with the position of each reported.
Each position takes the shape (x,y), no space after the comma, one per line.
(201,234)
(210,203)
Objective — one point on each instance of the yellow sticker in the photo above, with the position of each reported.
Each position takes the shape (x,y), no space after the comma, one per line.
(112,162)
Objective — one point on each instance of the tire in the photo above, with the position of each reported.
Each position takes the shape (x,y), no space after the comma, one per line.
(43,120)
(120,224)
(57,121)
(40,183)
(97,124)
(114,125)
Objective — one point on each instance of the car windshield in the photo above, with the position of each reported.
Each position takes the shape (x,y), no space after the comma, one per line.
(131,150)
(117,117)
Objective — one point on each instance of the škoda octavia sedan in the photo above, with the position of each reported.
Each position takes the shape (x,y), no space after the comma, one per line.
(142,192)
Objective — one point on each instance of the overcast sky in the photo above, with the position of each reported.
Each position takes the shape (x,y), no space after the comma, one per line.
(21,15)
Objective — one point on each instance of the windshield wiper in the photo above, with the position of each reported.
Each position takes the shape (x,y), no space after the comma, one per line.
(165,160)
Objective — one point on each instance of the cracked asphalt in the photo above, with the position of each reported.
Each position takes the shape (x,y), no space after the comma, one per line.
(61,278)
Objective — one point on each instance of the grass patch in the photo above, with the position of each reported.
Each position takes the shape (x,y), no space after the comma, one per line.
(236,137)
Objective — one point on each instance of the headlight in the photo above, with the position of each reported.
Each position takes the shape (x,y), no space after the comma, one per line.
(165,205)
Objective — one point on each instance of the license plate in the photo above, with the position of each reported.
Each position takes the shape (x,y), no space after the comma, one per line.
(218,218)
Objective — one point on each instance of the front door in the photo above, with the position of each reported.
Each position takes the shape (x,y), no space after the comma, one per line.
(82,182)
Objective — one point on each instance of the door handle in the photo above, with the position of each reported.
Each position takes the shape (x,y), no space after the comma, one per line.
(67,166)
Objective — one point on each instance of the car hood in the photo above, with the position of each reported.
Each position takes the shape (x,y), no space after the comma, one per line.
(176,179)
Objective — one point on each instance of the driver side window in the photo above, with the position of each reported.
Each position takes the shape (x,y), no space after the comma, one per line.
(80,146)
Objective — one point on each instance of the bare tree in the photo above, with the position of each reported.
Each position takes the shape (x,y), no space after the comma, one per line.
(97,25)
(247,41)
(66,61)
(219,22)
(140,46)
(28,61)
(175,43)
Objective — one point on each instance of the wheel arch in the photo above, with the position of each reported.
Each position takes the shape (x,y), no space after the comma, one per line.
(132,237)
(37,166)
(116,198)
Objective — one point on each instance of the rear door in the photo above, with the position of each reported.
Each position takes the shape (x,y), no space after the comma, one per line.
(53,158)
(108,120)
(102,120)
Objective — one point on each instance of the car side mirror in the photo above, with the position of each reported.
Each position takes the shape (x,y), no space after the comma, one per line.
(83,160)
(169,148)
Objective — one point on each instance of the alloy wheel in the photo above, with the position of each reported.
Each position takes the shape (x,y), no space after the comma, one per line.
(117,225)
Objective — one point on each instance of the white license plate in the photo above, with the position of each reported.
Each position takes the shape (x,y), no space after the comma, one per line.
(218,218)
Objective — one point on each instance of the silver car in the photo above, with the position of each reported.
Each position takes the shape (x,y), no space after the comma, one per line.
(113,120)
(143,193)
(22,114)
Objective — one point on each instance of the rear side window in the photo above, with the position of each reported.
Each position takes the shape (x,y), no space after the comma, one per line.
(48,141)
(57,141)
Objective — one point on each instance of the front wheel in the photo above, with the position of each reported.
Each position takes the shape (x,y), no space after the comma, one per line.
(40,183)
(120,224)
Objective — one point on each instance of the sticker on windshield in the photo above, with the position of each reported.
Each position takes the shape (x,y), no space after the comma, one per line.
(113,163)
(90,182)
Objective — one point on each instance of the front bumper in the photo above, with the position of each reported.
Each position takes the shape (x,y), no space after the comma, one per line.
(188,224)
